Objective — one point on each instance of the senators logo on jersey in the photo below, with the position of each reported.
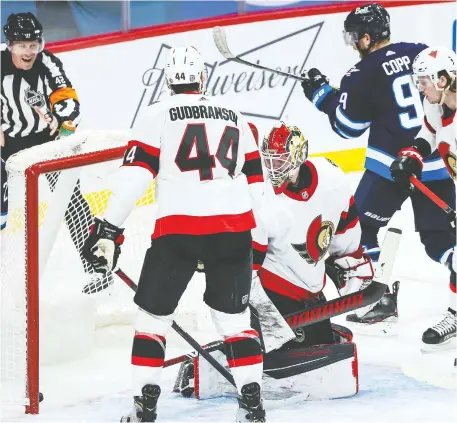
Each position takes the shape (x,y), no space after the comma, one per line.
(318,240)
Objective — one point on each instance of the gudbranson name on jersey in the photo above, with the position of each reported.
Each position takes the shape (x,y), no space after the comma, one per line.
(203,112)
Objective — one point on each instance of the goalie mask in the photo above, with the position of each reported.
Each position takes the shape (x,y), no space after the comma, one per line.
(185,65)
(283,150)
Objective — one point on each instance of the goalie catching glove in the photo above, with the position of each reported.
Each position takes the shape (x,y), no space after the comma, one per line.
(351,272)
(103,245)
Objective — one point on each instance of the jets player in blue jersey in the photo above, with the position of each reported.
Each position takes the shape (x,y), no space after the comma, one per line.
(4,194)
(378,95)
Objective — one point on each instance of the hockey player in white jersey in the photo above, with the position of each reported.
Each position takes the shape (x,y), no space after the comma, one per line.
(209,177)
(434,73)
(308,214)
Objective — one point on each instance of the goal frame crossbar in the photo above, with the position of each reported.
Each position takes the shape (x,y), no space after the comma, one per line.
(32,175)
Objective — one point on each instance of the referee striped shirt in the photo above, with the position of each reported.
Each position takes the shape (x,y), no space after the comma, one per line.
(46,77)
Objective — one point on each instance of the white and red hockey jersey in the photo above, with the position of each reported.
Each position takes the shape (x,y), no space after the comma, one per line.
(440,131)
(206,163)
(297,228)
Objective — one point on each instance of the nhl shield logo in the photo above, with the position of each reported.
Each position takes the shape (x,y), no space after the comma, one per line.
(34,98)
(318,240)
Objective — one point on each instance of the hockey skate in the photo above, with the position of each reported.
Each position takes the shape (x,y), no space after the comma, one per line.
(442,335)
(381,318)
(144,407)
(251,405)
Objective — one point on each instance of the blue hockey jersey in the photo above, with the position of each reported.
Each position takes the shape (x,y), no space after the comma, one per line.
(378,93)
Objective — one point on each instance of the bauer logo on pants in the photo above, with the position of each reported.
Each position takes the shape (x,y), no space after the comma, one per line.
(239,84)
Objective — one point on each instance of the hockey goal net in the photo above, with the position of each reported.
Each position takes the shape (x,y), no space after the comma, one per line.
(49,295)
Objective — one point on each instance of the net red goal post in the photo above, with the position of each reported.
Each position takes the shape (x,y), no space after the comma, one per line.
(35,218)
(55,190)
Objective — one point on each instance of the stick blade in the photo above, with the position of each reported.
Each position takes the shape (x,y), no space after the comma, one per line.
(220,39)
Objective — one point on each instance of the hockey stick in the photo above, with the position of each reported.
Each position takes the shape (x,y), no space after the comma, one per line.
(438,201)
(369,295)
(191,341)
(212,346)
(220,39)
(341,305)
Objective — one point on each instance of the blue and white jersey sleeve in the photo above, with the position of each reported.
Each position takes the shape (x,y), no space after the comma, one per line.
(4,194)
(348,112)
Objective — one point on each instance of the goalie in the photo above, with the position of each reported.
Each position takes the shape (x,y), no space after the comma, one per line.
(309,212)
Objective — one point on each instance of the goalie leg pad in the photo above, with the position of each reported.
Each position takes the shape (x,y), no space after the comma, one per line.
(323,372)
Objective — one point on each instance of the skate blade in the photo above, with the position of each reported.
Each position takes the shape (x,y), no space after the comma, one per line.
(387,327)
(449,344)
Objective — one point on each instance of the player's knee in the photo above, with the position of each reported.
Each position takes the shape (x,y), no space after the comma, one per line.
(230,324)
(437,243)
(151,323)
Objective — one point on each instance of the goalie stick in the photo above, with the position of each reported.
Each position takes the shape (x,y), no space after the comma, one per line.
(369,295)
(220,39)
(438,201)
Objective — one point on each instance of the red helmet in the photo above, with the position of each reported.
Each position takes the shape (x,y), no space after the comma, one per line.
(283,150)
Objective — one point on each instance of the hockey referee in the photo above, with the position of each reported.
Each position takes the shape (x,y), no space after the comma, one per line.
(39,104)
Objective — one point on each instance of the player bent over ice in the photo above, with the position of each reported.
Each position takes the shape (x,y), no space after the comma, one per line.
(197,149)
(308,214)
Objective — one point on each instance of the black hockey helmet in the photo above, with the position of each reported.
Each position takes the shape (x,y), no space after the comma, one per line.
(371,19)
(23,27)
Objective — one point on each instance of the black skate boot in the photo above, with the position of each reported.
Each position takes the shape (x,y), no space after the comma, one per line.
(251,406)
(380,318)
(144,407)
(442,335)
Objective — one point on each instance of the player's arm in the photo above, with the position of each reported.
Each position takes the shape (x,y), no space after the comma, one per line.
(410,160)
(140,167)
(346,108)
(252,167)
(64,100)
(347,266)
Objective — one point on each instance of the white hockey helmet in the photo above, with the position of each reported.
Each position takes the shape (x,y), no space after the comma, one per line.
(431,62)
(185,65)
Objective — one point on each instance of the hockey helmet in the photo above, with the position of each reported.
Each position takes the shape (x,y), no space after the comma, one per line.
(185,65)
(432,63)
(371,19)
(23,27)
(283,150)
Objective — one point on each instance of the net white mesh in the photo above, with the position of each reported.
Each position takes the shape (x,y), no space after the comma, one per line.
(68,201)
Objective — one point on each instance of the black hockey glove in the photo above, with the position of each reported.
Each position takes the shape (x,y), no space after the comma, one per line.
(408,162)
(103,245)
(316,87)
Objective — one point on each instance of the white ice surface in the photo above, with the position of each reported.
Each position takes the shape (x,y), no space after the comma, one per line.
(98,388)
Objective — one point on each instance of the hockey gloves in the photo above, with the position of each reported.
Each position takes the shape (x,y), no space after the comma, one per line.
(351,272)
(316,87)
(103,246)
(408,162)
